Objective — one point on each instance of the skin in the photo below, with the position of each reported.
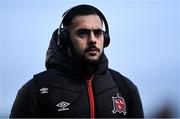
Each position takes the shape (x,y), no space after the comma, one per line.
(87,46)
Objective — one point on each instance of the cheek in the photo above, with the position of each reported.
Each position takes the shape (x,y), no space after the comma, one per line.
(101,43)
(79,44)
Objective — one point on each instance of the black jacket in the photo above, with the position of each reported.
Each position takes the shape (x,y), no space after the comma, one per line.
(63,91)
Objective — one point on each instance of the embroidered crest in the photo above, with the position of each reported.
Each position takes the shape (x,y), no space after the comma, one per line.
(119,105)
(63,106)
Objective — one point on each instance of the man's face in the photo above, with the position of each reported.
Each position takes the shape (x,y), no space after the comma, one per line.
(87,38)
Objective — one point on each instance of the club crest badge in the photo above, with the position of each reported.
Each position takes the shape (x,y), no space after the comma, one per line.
(119,105)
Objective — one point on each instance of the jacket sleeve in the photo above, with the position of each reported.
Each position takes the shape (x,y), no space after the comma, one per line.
(136,109)
(130,93)
(25,102)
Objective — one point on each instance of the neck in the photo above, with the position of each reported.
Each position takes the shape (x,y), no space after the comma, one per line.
(88,70)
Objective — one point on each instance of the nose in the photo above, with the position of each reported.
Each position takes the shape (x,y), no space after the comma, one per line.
(92,38)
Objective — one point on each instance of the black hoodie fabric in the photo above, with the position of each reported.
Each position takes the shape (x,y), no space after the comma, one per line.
(63,90)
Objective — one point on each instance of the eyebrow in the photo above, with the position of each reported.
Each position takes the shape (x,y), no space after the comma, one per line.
(88,29)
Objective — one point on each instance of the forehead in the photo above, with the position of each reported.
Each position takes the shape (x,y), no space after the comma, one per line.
(87,21)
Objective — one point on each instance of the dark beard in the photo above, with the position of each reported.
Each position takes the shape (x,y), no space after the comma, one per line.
(81,58)
(87,65)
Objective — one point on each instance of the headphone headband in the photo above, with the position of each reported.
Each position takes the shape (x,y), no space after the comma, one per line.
(71,13)
(68,12)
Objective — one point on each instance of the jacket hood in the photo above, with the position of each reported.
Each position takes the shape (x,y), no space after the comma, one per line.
(57,58)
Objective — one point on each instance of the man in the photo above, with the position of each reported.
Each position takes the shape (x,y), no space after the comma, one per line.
(78,82)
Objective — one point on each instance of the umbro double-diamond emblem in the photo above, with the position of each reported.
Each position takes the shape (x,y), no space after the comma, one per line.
(43,90)
(63,106)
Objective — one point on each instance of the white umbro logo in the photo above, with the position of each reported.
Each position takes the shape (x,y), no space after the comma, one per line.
(44,90)
(63,106)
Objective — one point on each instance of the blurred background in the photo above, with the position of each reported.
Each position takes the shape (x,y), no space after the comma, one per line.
(145,46)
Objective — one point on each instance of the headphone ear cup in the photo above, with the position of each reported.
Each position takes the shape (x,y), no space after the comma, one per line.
(106,39)
(64,37)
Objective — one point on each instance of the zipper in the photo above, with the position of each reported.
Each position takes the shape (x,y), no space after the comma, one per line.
(91,97)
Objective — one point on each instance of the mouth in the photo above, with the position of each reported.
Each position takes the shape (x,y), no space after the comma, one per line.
(93,51)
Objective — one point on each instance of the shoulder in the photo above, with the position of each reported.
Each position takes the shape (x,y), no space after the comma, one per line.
(123,81)
(30,86)
(26,99)
(42,74)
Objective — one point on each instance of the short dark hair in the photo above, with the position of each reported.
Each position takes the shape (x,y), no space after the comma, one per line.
(79,11)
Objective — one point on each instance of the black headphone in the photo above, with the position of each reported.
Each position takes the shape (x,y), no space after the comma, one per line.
(63,34)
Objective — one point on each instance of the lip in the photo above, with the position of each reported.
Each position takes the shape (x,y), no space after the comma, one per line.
(93,51)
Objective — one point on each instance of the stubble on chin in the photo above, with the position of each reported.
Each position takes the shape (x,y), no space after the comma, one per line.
(92,59)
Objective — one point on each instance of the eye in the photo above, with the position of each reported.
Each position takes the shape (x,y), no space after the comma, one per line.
(98,32)
(83,32)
